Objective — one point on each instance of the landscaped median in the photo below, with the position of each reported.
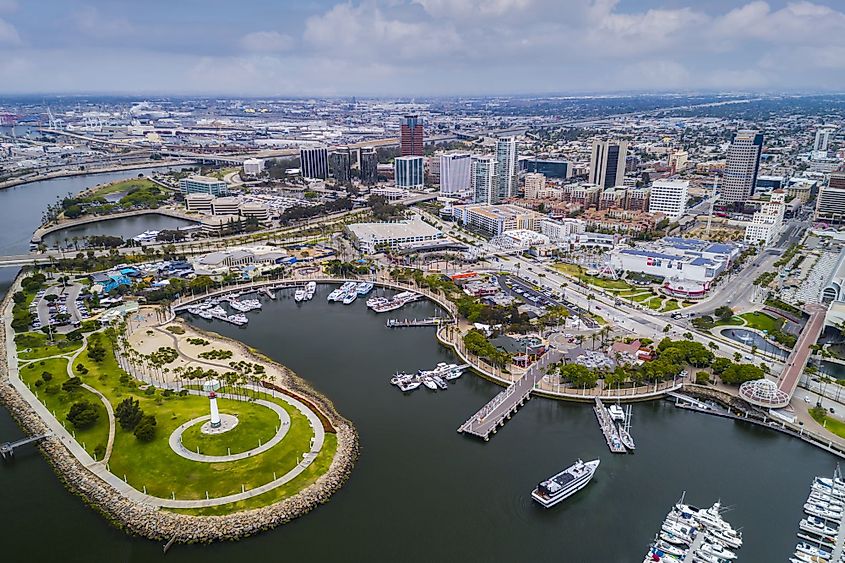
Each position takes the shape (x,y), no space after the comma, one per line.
(274,465)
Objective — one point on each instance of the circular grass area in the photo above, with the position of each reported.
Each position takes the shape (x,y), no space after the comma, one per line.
(255,423)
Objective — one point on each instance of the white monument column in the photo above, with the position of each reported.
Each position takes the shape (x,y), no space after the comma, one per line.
(215,414)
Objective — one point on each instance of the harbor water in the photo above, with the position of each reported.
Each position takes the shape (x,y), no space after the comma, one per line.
(421,491)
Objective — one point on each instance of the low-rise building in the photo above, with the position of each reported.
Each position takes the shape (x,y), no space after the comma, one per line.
(199,203)
(203,185)
(496,219)
(253,167)
(767,222)
(225,206)
(681,262)
(373,237)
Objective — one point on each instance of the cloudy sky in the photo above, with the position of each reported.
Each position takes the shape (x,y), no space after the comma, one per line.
(419,47)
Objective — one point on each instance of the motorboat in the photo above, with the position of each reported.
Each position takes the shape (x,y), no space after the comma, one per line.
(429,382)
(728,539)
(566,483)
(811,550)
(717,550)
(440,382)
(617,413)
(299,295)
(350,297)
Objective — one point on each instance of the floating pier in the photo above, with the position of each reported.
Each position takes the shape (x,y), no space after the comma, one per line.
(404,323)
(608,428)
(504,405)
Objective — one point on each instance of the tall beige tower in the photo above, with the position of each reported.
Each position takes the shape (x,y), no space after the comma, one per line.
(607,163)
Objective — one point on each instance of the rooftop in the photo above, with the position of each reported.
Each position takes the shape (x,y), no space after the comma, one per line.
(402,229)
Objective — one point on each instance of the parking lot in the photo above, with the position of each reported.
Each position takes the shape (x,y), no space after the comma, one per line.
(545,297)
(65,312)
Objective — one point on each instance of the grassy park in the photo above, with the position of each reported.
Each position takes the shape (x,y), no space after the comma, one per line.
(153,465)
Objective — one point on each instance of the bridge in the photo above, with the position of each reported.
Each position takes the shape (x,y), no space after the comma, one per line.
(779,397)
(7,449)
(504,405)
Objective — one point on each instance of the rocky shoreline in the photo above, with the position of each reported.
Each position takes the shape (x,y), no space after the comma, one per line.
(157,524)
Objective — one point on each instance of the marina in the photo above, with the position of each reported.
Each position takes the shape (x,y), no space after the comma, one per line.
(694,535)
(433,379)
(405,323)
(821,534)
(384,305)
(611,431)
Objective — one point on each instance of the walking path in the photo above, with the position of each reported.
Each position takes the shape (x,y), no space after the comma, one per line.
(103,399)
(100,468)
(284,426)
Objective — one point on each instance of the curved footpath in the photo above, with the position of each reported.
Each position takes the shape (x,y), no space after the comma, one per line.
(129,508)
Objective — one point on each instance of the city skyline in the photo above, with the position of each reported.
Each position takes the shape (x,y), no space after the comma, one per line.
(420,47)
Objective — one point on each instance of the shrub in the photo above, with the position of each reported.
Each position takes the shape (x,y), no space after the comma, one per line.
(145,431)
(71,384)
(150,390)
(46,376)
(702,377)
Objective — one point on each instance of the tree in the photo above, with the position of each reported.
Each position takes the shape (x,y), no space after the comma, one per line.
(740,373)
(83,414)
(128,413)
(724,312)
(146,428)
(719,365)
(578,375)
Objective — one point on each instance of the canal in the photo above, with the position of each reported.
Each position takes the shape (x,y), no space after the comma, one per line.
(423,492)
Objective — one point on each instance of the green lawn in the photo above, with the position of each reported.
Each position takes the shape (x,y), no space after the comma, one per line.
(655,303)
(578,272)
(642,297)
(122,186)
(762,321)
(59,401)
(34,345)
(671,305)
(319,466)
(155,466)
(831,424)
(255,422)
(733,321)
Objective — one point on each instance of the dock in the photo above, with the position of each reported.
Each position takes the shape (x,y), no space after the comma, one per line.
(7,449)
(268,293)
(404,323)
(694,547)
(503,406)
(608,428)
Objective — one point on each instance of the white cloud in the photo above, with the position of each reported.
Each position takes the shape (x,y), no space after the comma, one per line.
(93,23)
(472,8)
(266,42)
(365,30)
(8,34)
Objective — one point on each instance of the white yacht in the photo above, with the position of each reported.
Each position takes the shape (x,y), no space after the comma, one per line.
(299,295)
(429,382)
(349,297)
(566,483)
(617,414)
(310,289)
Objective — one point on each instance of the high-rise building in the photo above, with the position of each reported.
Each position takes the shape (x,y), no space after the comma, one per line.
(506,171)
(340,164)
(822,140)
(742,166)
(411,138)
(483,173)
(455,178)
(314,162)
(830,204)
(369,166)
(409,172)
(668,197)
(534,184)
(607,163)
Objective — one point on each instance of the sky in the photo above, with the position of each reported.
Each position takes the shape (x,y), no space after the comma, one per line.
(419,47)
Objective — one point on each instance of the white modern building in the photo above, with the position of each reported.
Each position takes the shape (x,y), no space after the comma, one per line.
(688,266)
(483,176)
(768,221)
(371,237)
(225,206)
(409,172)
(669,197)
(199,203)
(253,167)
(563,229)
(455,175)
(203,185)
(535,184)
